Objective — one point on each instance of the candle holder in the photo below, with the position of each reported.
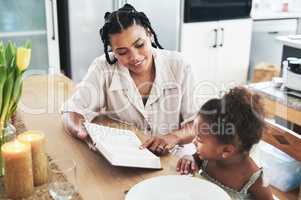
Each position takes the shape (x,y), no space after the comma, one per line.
(9,134)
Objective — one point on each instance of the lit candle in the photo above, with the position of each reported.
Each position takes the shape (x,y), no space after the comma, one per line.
(39,158)
(18,178)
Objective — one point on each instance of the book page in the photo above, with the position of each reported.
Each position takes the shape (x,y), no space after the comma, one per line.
(121,147)
(112,136)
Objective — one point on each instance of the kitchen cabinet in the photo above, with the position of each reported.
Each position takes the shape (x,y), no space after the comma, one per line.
(33,20)
(218,52)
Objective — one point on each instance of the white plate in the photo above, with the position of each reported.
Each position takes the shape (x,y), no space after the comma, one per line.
(176,188)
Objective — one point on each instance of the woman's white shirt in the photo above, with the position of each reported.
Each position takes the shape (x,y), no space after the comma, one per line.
(109,90)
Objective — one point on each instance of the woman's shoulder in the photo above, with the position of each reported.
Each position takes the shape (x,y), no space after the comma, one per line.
(175,60)
(170,55)
(100,64)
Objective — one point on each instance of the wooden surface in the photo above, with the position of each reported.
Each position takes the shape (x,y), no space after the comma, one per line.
(274,108)
(97,179)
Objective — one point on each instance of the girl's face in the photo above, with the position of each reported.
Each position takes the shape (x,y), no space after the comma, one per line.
(132,49)
(207,146)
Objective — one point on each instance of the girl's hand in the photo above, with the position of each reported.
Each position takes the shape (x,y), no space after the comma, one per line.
(187,165)
(161,145)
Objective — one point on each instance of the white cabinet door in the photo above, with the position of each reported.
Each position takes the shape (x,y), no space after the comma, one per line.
(219,54)
(233,51)
(197,46)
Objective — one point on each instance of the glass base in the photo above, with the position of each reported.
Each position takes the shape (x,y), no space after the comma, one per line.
(9,134)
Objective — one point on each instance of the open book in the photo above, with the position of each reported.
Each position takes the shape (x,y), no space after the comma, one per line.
(121,147)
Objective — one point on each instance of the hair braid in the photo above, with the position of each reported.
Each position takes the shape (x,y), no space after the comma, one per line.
(105,40)
(145,21)
(120,20)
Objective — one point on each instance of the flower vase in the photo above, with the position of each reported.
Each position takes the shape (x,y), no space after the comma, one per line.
(8,133)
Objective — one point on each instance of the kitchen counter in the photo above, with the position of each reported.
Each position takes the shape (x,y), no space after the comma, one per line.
(278,103)
(296,43)
(276,94)
(270,15)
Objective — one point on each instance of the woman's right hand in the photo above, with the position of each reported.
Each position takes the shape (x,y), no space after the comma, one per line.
(187,165)
(73,124)
(81,132)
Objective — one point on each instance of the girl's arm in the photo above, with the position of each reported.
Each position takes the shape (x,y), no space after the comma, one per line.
(260,191)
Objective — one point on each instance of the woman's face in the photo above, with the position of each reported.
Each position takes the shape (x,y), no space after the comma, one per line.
(132,48)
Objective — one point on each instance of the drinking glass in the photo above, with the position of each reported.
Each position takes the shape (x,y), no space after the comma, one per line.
(63,183)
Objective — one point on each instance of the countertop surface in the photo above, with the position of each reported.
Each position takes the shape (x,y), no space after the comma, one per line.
(287,40)
(271,15)
(277,94)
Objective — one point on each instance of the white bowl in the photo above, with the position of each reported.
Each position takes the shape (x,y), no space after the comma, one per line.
(174,187)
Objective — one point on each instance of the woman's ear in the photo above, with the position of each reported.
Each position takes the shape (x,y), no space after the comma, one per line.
(148,33)
(227,150)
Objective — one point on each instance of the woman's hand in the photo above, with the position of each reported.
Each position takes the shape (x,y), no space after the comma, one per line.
(187,165)
(81,132)
(161,145)
(73,124)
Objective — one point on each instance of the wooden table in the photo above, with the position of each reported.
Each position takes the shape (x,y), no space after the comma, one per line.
(97,179)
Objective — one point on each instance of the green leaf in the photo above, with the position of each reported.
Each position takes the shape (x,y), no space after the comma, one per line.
(1,45)
(16,89)
(3,73)
(2,58)
(28,44)
(7,92)
(10,54)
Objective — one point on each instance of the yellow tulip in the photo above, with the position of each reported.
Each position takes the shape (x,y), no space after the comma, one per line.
(23,58)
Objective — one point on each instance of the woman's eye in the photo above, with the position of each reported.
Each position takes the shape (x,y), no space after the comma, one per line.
(139,45)
(122,53)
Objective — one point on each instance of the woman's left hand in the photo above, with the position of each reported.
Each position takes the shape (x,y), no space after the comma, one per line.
(161,145)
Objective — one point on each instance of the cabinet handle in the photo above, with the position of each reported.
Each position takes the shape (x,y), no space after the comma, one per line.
(222,40)
(52,20)
(215,38)
(273,32)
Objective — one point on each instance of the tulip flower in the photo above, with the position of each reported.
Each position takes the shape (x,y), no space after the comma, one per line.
(13,63)
(23,58)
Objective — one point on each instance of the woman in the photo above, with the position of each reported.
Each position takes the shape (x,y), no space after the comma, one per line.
(135,82)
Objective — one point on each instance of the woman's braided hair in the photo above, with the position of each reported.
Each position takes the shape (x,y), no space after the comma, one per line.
(120,20)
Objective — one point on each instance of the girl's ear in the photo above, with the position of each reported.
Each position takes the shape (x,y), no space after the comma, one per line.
(227,150)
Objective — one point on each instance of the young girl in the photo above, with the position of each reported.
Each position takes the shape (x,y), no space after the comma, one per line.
(225,131)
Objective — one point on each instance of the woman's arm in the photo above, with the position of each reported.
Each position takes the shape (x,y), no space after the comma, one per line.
(185,134)
(87,99)
(163,144)
(73,124)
